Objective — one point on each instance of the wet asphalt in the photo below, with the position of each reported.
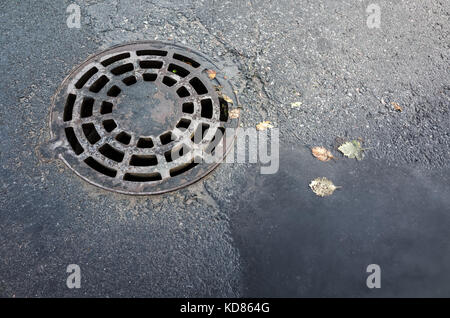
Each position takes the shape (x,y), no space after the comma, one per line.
(237,232)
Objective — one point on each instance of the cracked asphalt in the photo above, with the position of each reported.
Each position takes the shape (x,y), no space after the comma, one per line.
(239,233)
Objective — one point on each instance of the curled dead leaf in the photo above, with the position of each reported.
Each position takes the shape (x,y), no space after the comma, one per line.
(296,104)
(397,107)
(264,125)
(226,98)
(234,113)
(322,187)
(322,153)
(211,74)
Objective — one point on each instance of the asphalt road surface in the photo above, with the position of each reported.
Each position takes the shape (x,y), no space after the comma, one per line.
(237,232)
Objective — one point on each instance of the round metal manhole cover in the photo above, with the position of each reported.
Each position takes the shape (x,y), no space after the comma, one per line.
(143,118)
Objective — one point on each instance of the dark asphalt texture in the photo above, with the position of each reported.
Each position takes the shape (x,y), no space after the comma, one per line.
(237,232)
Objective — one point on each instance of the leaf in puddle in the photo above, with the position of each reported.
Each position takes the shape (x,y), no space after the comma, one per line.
(397,107)
(264,125)
(322,153)
(352,149)
(211,74)
(234,113)
(322,187)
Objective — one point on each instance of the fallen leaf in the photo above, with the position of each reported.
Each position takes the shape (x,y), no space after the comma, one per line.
(234,113)
(352,149)
(322,154)
(322,187)
(296,104)
(226,98)
(264,125)
(211,74)
(397,107)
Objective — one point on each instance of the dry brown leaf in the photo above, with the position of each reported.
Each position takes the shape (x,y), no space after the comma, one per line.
(322,187)
(234,113)
(211,74)
(397,107)
(322,153)
(264,125)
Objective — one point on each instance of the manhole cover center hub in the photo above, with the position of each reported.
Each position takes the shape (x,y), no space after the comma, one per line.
(146,109)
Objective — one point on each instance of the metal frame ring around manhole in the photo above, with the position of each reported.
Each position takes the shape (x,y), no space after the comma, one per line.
(119,118)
